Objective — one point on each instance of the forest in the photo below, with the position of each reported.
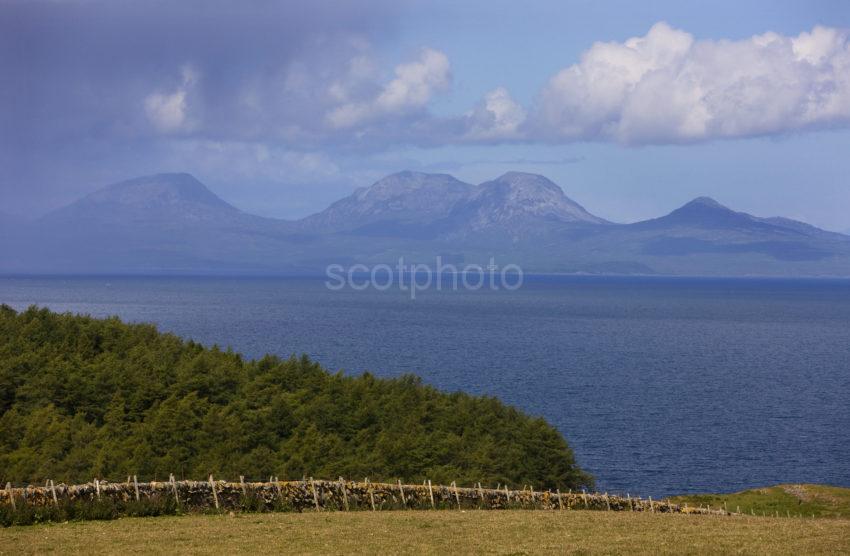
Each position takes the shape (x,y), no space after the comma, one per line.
(82,397)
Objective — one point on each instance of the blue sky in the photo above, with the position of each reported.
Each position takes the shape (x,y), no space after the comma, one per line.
(281,108)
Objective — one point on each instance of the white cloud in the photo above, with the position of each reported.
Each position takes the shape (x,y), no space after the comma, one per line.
(667,87)
(411,89)
(497,116)
(168,111)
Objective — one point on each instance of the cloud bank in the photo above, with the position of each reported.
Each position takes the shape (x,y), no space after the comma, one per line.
(667,87)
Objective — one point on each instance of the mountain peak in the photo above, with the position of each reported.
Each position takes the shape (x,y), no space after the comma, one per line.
(703,208)
(406,197)
(526,181)
(707,202)
(403,183)
(705,213)
(158,189)
(524,197)
(164,197)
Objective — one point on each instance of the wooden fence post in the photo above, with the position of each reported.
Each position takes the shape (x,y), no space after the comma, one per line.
(11,496)
(629,500)
(315,494)
(277,487)
(136,487)
(401,491)
(371,492)
(507,494)
(214,493)
(607,502)
(431,495)
(53,491)
(480,495)
(97,488)
(174,488)
(242,483)
(651,506)
(344,494)
(560,503)
(457,496)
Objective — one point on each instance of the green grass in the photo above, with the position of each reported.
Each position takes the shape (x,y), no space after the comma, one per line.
(435,532)
(808,500)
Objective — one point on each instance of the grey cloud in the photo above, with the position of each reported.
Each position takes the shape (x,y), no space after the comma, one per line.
(85,82)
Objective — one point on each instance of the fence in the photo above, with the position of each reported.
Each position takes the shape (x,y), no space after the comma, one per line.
(323,495)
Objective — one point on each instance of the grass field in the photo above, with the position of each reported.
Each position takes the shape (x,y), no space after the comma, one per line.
(489,532)
(817,500)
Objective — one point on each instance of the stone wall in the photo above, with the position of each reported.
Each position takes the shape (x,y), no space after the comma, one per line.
(319,495)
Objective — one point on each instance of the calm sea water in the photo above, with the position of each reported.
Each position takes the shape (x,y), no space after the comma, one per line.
(661,386)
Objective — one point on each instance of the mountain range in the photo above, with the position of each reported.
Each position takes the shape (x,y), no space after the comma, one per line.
(172,223)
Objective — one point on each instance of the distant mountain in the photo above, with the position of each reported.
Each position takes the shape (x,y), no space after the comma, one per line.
(518,196)
(173,223)
(393,204)
(706,213)
(158,223)
(171,200)
(433,206)
(705,237)
(516,206)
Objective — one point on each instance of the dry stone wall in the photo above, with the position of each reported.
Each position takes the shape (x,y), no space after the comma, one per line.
(323,495)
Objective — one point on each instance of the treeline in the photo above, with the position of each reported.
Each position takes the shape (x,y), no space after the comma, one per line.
(83,397)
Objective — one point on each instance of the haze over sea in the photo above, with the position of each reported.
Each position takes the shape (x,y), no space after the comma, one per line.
(660,385)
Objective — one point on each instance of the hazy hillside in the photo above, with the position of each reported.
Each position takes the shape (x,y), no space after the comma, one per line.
(172,223)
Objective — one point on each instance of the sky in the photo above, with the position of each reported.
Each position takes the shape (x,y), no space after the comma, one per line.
(281,108)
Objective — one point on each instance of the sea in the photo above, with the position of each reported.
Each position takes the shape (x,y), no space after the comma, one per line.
(661,386)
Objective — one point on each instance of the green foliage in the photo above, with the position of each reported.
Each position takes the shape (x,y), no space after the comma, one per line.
(783,500)
(27,514)
(83,397)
